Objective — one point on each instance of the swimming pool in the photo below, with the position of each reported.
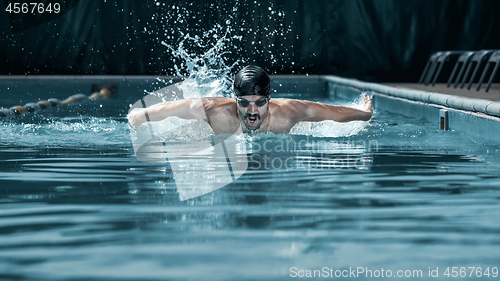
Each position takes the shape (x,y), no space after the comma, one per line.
(396,194)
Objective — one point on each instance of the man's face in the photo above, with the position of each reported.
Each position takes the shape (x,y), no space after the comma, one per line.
(252,115)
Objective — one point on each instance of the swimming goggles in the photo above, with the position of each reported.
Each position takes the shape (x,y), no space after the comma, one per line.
(258,103)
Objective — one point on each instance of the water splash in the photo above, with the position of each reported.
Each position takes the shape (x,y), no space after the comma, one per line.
(328,128)
(208,73)
(334,129)
(206,58)
(64,132)
(202,57)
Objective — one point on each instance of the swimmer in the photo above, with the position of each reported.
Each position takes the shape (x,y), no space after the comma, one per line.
(252,108)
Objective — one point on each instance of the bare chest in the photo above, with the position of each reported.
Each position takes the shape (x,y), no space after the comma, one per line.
(278,125)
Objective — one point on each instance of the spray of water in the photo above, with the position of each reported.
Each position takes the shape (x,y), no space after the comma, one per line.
(207,59)
(208,73)
(203,57)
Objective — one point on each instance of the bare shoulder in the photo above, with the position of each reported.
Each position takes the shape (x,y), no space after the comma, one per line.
(221,114)
(290,103)
(219,105)
(289,108)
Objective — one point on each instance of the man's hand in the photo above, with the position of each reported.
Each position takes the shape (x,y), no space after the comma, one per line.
(366,103)
(136,118)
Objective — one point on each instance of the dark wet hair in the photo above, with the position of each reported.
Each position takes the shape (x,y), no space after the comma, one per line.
(252,80)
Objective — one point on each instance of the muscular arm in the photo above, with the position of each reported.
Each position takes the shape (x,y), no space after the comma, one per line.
(186,109)
(314,111)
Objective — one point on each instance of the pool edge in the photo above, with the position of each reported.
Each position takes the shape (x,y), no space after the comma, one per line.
(479,118)
(462,103)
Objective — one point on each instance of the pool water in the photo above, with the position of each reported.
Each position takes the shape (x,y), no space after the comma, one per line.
(394,194)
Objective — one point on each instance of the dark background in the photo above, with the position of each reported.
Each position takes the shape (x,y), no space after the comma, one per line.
(374,40)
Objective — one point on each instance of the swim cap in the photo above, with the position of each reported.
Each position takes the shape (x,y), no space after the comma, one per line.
(252,80)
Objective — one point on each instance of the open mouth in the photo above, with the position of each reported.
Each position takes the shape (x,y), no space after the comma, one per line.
(252,119)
